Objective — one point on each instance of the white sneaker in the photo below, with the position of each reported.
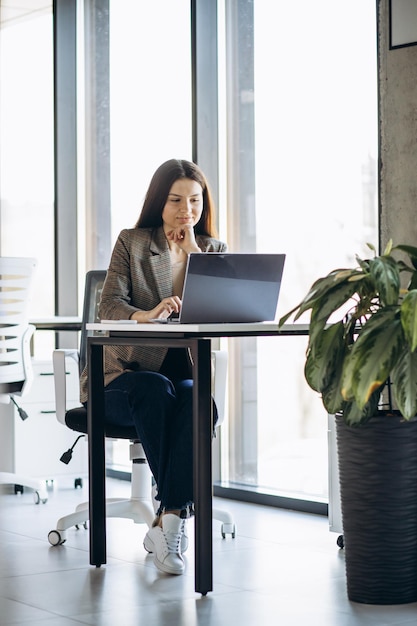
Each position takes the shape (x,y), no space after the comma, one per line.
(156,504)
(165,543)
(148,542)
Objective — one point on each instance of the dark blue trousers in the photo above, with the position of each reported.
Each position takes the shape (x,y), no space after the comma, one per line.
(161,411)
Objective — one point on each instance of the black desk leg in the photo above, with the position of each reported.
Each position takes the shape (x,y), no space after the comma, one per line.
(202,441)
(96,455)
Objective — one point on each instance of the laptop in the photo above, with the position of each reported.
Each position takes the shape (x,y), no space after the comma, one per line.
(230,288)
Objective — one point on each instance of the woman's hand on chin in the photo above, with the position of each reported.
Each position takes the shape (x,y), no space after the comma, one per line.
(184,237)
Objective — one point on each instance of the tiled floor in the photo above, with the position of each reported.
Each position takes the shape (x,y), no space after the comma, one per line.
(282,568)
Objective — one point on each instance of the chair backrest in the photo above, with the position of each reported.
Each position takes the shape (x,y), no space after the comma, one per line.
(76,419)
(92,292)
(16,286)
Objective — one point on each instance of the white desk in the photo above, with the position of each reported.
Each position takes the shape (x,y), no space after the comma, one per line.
(56,322)
(212,330)
(196,337)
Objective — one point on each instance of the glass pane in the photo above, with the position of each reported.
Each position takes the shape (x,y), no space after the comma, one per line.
(303,137)
(27,151)
(150,107)
(150,97)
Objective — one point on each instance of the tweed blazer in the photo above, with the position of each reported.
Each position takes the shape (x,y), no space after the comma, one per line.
(139,277)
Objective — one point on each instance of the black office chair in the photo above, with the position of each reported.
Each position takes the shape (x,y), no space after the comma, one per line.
(140,507)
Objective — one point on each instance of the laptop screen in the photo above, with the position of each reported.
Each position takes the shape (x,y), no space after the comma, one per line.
(231,287)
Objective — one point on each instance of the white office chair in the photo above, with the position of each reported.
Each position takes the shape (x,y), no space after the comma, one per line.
(139,507)
(16,373)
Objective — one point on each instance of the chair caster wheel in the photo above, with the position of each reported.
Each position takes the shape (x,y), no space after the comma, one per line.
(340,541)
(37,498)
(228,529)
(78,483)
(18,489)
(54,538)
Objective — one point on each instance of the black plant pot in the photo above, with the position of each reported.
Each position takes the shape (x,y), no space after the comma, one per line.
(378,490)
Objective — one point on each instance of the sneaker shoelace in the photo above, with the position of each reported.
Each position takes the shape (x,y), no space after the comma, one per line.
(173,540)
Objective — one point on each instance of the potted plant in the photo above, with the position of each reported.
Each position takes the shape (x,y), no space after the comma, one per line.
(362,359)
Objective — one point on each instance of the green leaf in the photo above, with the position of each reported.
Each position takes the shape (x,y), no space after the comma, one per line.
(330,302)
(286,317)
(325,357)
(409,318)
(411,251)
(331,397)
(372,358)
(363,264)
(378,321)
(404,384)
(381,318)
(386,274)
(354,416)
(325,290)
(324,286)
(388,248)
(413,281)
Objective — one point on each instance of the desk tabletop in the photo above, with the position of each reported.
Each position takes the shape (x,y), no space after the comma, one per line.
(208,330)
(56,322)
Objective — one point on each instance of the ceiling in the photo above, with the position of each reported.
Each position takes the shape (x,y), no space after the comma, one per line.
(12,11)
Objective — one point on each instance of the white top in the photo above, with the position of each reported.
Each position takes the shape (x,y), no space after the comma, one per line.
(178,276)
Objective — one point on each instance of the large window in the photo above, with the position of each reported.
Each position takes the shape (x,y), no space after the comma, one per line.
(301,134)
(150,97)
(27,148)
(298,137)
(150,108)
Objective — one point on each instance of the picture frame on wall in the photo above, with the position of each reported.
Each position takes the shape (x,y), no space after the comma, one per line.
(402,23)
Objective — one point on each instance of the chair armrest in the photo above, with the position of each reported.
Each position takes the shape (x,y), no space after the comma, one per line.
(27,359)
(26,375)
(219,383)
(59,358)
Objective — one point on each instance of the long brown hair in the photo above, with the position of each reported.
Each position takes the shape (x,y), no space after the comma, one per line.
(159,188)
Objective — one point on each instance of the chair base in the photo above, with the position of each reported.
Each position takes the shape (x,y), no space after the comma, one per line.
(228,526)
(137,508)
(140,507)
(139,511)
(39,486)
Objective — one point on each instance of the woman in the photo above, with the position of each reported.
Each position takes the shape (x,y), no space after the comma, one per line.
(151,387)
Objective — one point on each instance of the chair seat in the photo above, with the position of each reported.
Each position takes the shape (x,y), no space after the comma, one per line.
(76,419)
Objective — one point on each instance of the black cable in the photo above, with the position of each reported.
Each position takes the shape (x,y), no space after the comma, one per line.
(21,412)
(67,456)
